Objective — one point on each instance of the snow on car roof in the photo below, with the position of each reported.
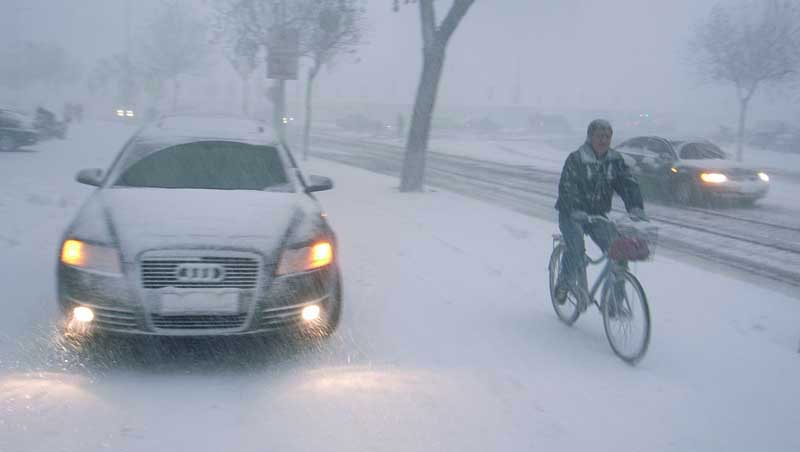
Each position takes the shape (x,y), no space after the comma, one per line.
(208,126)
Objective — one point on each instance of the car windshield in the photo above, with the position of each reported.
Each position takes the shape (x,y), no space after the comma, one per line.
(700,151)
(210,165)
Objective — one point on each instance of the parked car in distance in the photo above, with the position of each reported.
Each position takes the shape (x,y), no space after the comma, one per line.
(16,130)
(692,171)
(202,226)
(48,126)
(359,123)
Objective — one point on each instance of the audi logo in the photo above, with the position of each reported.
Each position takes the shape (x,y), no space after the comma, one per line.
(200,273)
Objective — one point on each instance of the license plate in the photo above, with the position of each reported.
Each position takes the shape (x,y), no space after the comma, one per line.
(200,302)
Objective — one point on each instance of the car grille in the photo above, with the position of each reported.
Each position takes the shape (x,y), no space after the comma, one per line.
(742,175)
(198,322)
(239,272)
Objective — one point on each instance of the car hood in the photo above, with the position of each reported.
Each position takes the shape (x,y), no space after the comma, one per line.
(716,165)
(141,219)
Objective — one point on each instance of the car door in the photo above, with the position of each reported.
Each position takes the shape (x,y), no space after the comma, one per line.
(633,151)
(8,137)
(647,160)
(662,159)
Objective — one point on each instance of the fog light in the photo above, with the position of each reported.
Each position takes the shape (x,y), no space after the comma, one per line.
(83,314)
(311,313)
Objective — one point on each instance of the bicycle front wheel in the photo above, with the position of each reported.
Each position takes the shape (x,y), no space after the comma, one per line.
(626,318)
(568,311)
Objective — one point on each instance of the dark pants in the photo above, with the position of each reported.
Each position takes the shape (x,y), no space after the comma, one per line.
(572,264)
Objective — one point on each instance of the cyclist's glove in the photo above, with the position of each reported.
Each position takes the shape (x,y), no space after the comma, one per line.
(579,216)
(638,214)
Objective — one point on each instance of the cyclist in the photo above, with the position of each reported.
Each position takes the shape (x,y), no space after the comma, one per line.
(588,181)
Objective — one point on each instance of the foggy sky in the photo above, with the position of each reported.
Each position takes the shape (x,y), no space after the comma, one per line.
(613,54)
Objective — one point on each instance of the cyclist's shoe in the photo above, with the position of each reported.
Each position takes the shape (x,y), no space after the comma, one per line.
(560,294)
(616,301)
(612,308)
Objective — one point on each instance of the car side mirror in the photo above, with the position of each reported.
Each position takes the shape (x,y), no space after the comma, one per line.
(318,183)
(90,176)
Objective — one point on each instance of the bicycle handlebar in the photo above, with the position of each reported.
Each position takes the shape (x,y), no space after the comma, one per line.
(598,219)
(589,218)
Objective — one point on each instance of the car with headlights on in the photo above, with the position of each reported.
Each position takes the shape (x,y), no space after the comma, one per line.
(692,171)
(202,226)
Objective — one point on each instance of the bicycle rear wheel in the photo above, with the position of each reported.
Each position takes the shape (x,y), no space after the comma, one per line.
(568,311)
(626,318)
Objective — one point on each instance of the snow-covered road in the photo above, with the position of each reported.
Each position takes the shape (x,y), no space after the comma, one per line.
(447,343)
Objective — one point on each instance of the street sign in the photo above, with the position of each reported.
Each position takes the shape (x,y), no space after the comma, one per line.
(283,58)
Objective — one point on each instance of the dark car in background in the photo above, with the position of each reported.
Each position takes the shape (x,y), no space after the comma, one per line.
(48,126)
(202,226)
(16,130)
(692,171)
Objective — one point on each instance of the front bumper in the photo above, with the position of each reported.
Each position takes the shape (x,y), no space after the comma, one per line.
(123,306)
(29,139)
(734,189)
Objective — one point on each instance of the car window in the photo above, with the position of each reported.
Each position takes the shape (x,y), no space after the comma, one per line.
(211,165)
(637,149)
(698,151)
(634,147)
(659,149)
(632,143)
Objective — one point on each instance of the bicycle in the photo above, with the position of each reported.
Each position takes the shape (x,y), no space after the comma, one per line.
(623,300)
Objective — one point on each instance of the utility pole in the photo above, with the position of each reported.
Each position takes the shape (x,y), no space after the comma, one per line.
(128,89)
(282,64)
(279,87)
(516,95)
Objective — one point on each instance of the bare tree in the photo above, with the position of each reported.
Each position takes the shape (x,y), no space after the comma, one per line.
(242,56)
(255,21)
(333,28)
(748,44)
(435,38)
(178,44)
(117,74)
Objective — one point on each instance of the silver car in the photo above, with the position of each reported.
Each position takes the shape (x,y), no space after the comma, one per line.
(201,226)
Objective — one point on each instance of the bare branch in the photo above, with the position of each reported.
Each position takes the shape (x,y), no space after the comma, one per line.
(454,16)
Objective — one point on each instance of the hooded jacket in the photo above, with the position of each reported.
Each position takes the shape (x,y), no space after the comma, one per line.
(588,183)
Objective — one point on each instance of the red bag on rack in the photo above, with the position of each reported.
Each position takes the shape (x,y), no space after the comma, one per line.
(629,249)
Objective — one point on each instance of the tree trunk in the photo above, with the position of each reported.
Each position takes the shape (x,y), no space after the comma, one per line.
(312,74)
(245,96)
(742,118)
(413,176)
(176,87)
(279,108)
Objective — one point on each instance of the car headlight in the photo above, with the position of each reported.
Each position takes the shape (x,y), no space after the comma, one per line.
(763,176)
(713,178)
(306,258)
(104,259)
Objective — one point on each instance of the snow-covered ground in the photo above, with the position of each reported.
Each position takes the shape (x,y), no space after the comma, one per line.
(447,343)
